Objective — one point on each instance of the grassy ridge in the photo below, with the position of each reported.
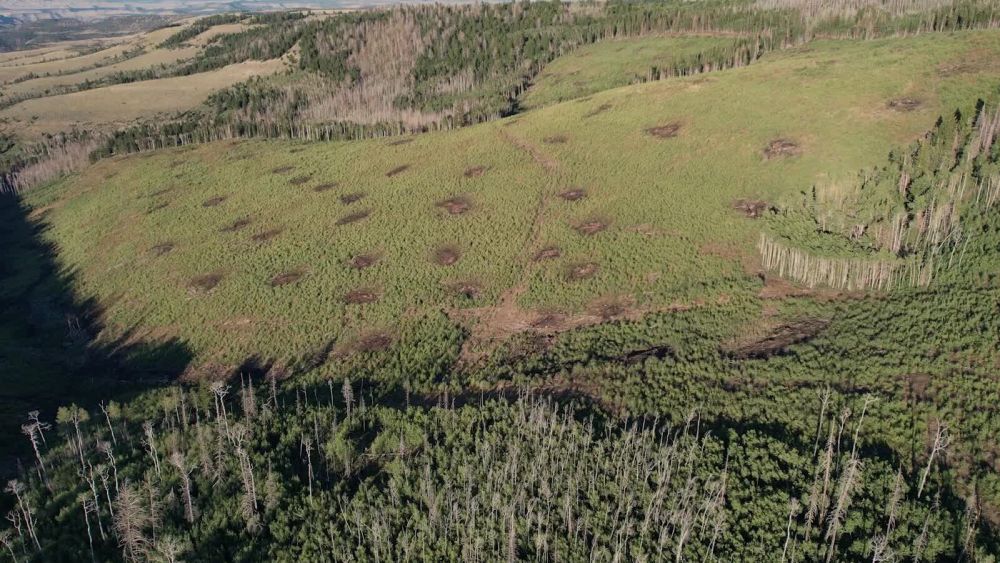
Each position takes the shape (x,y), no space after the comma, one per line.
(671,237)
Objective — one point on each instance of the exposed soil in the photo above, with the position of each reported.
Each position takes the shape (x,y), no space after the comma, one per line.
(598,110)
(350,198)
(266,235)
(574,194)
(579,272)
(468,289)
(456,205)
(362,261)
(399,142)
(753,208)
(590,228)
(474,171)
(282,170)
(325,187)
(779,148)
(548,321)
(777,340)
(545,161)
(286,278)
(555,140)
(668,131)
(447,255)
(904,104)
(548,253)
(299,180)
(217,200)
(237,225)
(354,217)
(397,170)
(372,342)
(204,284)
(161,249)
(361,296)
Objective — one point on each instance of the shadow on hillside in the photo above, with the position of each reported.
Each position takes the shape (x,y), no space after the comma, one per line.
(48,352)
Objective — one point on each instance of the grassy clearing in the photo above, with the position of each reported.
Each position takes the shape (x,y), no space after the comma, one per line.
(602,66)
(120,104)
(189,243)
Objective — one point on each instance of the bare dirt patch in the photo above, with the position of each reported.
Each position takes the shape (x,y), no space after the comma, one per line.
(556,140)
(325,187)
(161,249)
(213,202)
(267,235)
(362,261)
(354,217)
(904,105)
(467,288)
(475,171)
(361,296)
(205,283)
(598,110)
(299,180)
(397,171)
(775,341)
(350,198)
(286,278)
(282,170)
(456,205)
(372,342)
(580,272)
(447,255)
(592,227)
(667,131)
(237,225)
(753,208)
(575,194)
(781,148)
(548,253)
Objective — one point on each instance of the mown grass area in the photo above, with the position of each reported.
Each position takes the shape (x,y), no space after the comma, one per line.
(235,250)
(611,64)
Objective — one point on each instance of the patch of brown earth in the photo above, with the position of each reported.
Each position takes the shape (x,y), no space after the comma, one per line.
(397,170)
(205,283)
(267,235)
(668,131)
(372,342)
(779,148)
(361,296)
(555,140)
(399,142)
(753,208)
(447,255)
(299,180)
(574,194)
(548,253)
(469,289)
(590,228)
(237,225)
(286,278)
(282,170)
(350,198)
(474,171)
(214,201)
(362,261)
(776,340)
(904,104)
(354,217)
(456,205)
(161,249)
(325,187)
(598,110)
(579,272)
(612,308)
(550,321)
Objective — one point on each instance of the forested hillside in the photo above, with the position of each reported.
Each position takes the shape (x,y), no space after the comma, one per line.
(629,281)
